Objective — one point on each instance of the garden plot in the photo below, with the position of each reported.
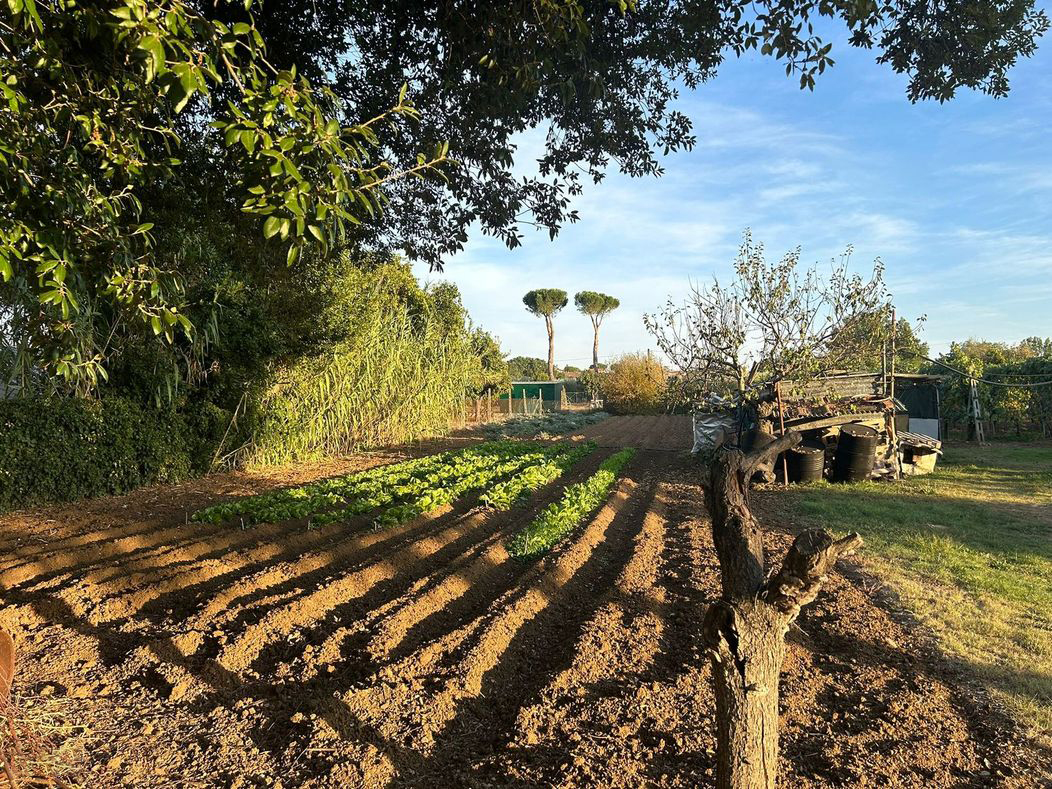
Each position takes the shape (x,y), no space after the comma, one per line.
(402,491)
(661,432)
(243,650)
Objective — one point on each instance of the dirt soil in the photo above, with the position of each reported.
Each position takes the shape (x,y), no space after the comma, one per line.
(205,656)
(663,431)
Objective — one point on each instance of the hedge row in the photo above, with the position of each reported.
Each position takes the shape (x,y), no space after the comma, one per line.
(62,449)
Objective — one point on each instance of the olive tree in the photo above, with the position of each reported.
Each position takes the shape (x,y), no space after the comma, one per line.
(770,323)
(596,306)
(546,303)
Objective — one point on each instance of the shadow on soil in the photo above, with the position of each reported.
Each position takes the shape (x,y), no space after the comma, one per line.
(524,625)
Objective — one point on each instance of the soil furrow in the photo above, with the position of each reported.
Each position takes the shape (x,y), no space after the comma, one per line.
(566,576)
(470,585)
(422,655)
(246,647)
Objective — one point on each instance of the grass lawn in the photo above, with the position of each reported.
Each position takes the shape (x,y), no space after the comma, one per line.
(969,551)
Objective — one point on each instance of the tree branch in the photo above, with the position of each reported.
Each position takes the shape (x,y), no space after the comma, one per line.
(760,456)
(805,567)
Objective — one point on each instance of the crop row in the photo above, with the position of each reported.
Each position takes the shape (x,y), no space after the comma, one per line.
(504,495)
(577,502)
(342,497)
(479,479)
(287,503)
(463,477)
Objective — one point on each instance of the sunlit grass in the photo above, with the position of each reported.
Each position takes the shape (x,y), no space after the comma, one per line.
(969,551)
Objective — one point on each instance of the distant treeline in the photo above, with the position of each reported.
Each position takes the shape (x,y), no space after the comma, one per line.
(1007,409)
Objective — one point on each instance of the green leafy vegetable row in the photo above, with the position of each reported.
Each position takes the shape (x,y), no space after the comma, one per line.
(478,479)
(505,494)
(578,501)
(451,475)
(342,497)
(288,503)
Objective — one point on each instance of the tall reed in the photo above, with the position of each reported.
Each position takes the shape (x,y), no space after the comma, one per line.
(400,377)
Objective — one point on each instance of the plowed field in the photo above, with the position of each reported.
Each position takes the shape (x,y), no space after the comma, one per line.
(423,655)
(665,432)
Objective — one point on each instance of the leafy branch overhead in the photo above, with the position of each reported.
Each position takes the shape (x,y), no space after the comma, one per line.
(599,81)
(295,116)
(84,136)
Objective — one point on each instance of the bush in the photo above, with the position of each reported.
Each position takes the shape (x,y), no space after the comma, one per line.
(66,448)
(635,384)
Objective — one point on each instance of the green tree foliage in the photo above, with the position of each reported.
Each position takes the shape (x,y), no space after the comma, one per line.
(1035,347)
(285,123)
(600,77)
(596,306)
(103,101)
(636,383)
(773,322)
(527,368)
(1004,407)
(592,381)
(547,303)
(864,340)
(493,370)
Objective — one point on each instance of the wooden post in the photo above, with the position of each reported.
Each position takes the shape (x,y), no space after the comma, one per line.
(884,367)
(892,364)
(781,429)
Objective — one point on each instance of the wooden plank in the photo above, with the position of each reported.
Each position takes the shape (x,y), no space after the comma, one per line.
(810,423)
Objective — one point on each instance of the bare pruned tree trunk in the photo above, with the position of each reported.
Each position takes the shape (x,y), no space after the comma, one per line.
(745,631)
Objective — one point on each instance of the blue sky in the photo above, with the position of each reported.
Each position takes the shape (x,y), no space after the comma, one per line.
(956,199)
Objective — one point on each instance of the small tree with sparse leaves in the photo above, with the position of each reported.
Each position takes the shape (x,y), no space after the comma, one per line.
(771,323)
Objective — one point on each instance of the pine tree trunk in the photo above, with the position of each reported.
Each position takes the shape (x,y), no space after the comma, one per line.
(595,345)
(551,347)
(744,632)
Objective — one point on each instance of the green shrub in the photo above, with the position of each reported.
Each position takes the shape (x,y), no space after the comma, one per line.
(67,448)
